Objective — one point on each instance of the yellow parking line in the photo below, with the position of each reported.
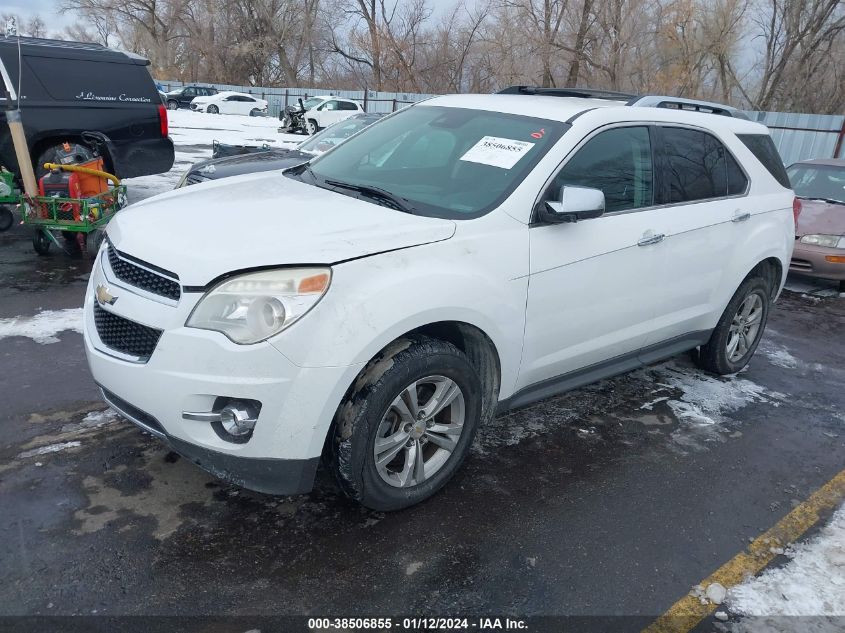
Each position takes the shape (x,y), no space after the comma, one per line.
(687,612)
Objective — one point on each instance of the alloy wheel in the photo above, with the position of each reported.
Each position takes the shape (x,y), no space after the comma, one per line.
(745,327)
(419,431)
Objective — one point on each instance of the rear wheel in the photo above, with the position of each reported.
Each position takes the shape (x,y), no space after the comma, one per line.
(7,218)
(213,109)
(736,336)
(406,430)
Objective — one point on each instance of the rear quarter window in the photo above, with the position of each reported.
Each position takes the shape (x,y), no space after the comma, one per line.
(764,150)
(93,81)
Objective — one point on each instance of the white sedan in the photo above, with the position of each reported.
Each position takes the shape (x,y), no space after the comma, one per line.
(230,103)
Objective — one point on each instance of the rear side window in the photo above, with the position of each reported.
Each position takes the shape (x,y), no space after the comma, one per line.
(95,81)
(763,148)
(348,105)
(618,162)
(737,182)
(696,166)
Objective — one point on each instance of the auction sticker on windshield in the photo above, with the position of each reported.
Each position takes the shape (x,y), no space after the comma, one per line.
(497,152)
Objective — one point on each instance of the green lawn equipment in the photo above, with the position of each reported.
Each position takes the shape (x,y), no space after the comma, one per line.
(79,202)
(9,197)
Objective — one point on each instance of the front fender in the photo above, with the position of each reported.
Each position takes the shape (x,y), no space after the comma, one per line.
(375,300)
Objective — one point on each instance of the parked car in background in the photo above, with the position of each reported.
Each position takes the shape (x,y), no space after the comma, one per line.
(182,97)
(820,232)
(70,88)
(230,103)
(467,255)
(269,159)
(319,112)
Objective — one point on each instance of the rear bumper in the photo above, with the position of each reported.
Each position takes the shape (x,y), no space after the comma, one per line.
(261,474)
(810,260)
(142,157)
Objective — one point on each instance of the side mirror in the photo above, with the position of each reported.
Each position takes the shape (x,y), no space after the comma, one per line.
(573,204)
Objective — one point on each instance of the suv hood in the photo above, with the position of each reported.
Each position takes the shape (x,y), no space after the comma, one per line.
(227,166)
(820,218)
(265,219)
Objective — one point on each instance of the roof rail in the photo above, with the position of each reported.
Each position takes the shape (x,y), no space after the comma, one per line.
(692,105)
(584,93)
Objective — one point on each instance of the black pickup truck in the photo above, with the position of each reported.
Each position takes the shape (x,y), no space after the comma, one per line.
(69,88)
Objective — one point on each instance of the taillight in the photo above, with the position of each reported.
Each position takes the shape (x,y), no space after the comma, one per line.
(162,119)
(796,209)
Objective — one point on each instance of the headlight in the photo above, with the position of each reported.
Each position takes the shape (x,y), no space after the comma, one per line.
(830,241)
(253,307)
(182,180)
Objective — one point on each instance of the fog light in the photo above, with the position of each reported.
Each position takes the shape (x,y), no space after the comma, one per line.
(237,420)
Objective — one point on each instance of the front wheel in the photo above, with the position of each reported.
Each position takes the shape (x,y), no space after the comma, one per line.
(311,127)
(7,218)
(213,109)
(41,242)
(406,430)
(172,105)
(736,336)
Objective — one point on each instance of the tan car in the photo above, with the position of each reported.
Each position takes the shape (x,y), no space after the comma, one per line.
(820,232)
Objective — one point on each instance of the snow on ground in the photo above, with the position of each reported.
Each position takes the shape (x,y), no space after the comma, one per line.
(44,326)
(193,134)
(778,355)
(701,404)
(812,583)
(46,450)
(811,288)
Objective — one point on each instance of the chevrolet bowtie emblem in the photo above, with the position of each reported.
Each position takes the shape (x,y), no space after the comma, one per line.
(104,296)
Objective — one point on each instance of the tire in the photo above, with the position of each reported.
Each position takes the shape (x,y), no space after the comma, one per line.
(842,285)
(49,156)
(381,408)
(311,127)
(738,324)
(213,109)
(172,105)
(255,112)
(41,242)
(7,218)
(95,240)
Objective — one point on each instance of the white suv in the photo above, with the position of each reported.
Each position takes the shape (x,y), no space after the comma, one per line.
(323,111)
(462,257)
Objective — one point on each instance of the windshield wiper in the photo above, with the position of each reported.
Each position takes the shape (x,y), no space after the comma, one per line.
(380,195)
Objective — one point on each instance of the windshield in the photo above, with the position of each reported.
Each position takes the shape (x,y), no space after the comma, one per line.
(822,182)
(445,162)
(334,134)
(312,102)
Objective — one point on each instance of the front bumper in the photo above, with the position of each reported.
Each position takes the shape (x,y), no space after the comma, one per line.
(190,369)
(810,260)
(267,475)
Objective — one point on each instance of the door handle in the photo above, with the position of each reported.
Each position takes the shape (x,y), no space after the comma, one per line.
(651,239)
(740,217)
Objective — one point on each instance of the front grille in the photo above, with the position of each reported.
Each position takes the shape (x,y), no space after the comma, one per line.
(145,279)
(125,336)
